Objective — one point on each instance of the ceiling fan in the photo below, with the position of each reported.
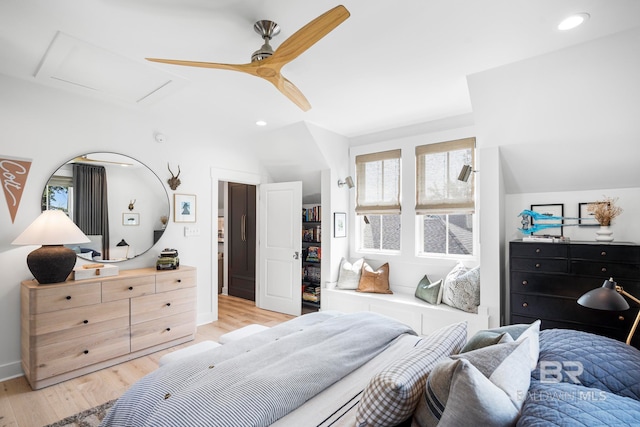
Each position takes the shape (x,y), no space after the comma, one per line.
(266,63)
(86,159)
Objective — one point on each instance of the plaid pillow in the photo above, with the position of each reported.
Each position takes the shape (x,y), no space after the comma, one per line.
(392,394)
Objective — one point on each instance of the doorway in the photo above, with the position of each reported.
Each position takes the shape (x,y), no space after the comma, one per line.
(241,235)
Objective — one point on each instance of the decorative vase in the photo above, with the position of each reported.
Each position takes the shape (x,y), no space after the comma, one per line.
(604,234)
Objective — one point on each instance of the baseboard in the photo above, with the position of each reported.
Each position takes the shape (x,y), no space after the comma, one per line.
(204,318)
(10,370)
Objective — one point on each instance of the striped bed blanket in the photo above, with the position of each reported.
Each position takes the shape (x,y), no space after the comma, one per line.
(259,379)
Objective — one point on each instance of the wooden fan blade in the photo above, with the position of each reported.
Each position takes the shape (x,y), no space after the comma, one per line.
(308,35)
(292,92)
(247,68)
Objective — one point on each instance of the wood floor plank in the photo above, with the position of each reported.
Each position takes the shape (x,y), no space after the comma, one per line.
(22,407)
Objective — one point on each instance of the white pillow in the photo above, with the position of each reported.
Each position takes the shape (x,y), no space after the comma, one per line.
(462,288)
(349,274)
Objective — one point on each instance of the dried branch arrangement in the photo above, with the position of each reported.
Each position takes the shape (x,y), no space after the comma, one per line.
(604,211)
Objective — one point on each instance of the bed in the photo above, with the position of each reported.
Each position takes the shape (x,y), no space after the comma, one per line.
(320,369)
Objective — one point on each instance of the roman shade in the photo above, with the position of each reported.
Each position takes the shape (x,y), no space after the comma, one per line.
(438,190)
(378,183)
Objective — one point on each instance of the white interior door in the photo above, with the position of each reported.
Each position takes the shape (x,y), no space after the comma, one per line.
(280,287)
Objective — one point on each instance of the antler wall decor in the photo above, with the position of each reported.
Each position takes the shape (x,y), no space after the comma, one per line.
(174,181)
(131,203)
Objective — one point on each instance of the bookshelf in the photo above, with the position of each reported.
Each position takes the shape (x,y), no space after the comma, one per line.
(311,256)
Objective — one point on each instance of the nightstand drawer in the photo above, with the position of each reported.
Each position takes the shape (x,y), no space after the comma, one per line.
(54,298)
(128,288)
(148,334)
(151,307)
(542,265)
(181,278)
(66,356)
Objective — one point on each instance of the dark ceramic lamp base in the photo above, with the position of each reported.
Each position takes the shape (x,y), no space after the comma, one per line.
(51,263)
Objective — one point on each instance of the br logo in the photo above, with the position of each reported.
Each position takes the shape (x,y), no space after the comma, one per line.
(554,372)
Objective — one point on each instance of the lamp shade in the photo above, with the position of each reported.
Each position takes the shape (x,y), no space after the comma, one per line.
(605,297)
(51,263)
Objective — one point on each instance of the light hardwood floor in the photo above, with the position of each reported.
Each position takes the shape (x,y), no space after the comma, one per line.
(22,407)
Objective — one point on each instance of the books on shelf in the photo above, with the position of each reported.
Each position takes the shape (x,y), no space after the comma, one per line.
(314,254)
(312,234)
(312,214)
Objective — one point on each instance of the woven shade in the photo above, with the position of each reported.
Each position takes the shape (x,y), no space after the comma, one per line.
(378,183)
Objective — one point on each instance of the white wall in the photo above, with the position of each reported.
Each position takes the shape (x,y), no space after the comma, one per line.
(50,127)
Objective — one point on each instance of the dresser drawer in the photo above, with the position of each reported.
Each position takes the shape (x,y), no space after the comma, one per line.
(542,250)
(151,307)
(524,282)
(54,298)
(607,253)
(65,356)
(128,288)
(171,280)
(602,269)
(567,309)
(49,328)
(540,265)
(155,332)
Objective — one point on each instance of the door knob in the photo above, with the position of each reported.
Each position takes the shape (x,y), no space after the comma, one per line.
(296,255)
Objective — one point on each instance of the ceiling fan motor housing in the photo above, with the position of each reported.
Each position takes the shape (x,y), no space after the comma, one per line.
(267,29)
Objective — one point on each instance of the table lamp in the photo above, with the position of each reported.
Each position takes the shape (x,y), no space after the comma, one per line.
(609,297)
(52,262)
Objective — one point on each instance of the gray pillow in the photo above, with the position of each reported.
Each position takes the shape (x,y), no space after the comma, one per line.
(482,387)
(484,339)
(429,292)
(462,288)
(349,274)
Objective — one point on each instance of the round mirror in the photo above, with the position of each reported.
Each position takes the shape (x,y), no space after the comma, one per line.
(118,202)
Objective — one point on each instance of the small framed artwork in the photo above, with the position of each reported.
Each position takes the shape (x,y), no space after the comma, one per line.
(130,218)
(339,224)
(555,225)
(184,208)
(585,218)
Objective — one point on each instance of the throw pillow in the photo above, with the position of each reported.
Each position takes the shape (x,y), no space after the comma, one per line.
(349,274)
(485,386)
(462,288)
(429,292)
(393,393)
(485,339)
(493,336)
(374,281)
(533,334)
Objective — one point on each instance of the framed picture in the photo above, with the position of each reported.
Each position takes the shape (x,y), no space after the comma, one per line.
(586,219)
(552,210)
(184,208)
(339,224)
(130,218)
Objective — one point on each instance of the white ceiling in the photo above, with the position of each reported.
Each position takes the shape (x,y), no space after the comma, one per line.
(390,65)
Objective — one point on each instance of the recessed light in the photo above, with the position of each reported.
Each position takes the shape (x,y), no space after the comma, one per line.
(573,21)
(261,123)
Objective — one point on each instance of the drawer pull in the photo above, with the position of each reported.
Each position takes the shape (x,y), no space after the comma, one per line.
(537,250)
(130,288)
(168,329)
(525,304)
(168,304)
(85,321)
(621,318)
(68,297)
(179,280)
(603,269)
(603,253)
(537,265)
(525,282)
(86,352)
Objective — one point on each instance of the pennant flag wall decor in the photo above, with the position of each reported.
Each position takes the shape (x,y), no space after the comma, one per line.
(14,176)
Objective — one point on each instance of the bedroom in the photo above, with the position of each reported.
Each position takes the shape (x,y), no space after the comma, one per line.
(558,127)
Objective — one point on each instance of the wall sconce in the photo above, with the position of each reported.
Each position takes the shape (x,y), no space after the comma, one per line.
(609,297)
(52,262)
(348,180)
(465,173)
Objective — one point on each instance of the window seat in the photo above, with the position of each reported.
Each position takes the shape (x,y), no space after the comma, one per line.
(423,317)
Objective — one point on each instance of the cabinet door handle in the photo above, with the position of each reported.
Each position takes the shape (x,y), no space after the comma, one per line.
(525,304)
(243,228)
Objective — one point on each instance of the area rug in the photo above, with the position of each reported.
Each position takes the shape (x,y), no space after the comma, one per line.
(90,418)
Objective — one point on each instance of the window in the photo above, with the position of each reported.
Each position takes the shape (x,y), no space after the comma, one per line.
(378,200)
(445,205)
(58,194)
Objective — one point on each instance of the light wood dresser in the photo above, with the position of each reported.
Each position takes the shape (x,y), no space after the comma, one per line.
(76,327)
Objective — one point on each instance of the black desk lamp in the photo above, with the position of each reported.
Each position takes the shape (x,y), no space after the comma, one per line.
(608,297)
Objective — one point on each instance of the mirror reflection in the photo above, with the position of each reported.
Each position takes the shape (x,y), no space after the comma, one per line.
(118,202)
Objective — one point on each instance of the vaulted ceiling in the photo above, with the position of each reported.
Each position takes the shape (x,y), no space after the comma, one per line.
(390,64)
